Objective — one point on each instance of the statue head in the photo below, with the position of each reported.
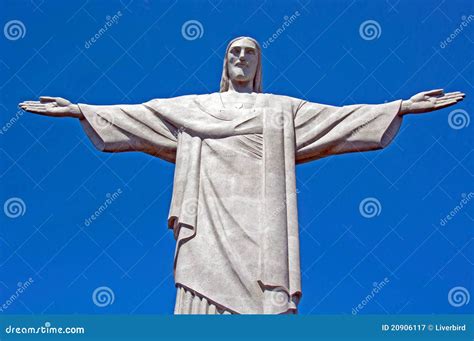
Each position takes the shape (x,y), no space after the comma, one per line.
(242,63)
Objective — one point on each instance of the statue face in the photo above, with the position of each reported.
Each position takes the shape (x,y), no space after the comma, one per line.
(242,60)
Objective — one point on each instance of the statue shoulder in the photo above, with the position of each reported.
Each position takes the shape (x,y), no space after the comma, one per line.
(182,100)
(281,97)
(276,99)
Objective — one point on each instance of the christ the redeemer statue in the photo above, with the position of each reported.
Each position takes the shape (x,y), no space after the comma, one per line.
(233,211)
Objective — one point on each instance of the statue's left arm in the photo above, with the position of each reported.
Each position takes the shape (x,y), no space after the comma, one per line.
(115,128)
(323,130)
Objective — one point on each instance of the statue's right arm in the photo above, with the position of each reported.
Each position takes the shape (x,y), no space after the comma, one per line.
(115,128)
(52,106)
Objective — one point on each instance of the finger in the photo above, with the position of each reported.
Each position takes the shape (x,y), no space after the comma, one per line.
(42,111)
(444,98)
(29,102)
(33,103)
(453,93)
(447,100)
(458,98)
(457,93)
(37,110)
(33,107)
(445,104)
(47,99)
(62,101)
(434,92)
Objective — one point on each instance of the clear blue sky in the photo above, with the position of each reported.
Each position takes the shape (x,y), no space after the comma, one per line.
(51,165)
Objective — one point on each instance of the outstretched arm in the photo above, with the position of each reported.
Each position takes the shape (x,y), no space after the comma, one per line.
(323,130)
(427,101)
(115,128)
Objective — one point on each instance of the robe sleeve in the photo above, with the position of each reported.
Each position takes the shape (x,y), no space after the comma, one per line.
(323,130)
(121,128)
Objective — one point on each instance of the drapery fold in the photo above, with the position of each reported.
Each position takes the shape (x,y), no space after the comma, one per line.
(323,130)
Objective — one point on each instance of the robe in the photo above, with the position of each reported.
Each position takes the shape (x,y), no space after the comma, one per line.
(234,205)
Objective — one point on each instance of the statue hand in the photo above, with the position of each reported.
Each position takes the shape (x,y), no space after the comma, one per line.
(52,106)
(427,101)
